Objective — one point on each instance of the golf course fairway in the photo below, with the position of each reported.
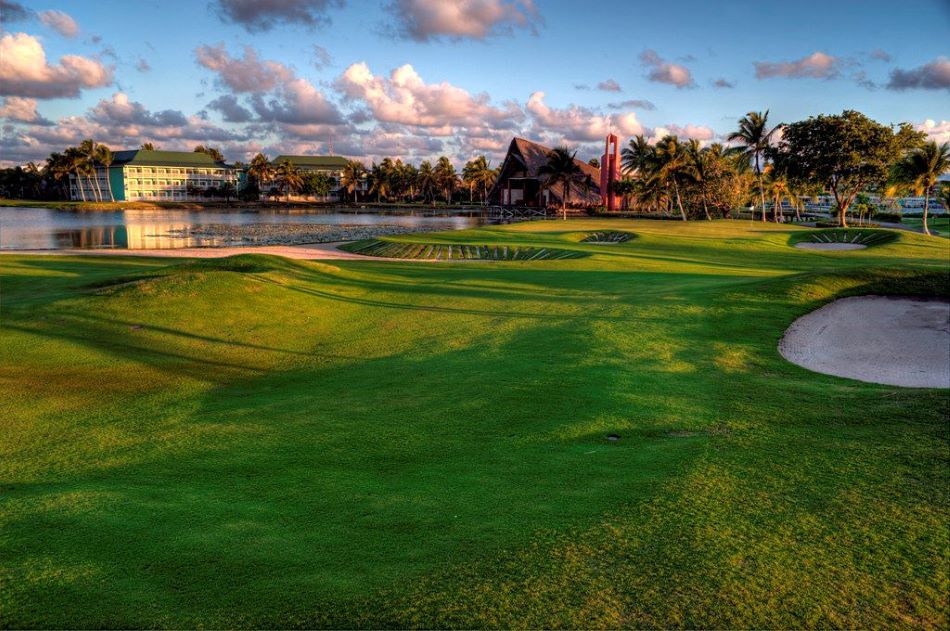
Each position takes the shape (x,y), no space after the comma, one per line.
(255,441)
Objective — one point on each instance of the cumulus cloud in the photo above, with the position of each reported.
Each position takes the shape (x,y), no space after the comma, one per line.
(938,132)
(262,15)
(423,20)
(817,65)
(247,74)
(230,109)
(24,70)
(579,124)
(932,76)
(60,22)
(13,12)
(121,111)
(662,71)
(609,86)
(21,110)
(723,84)
(297,102)
(697,132)
(404,98)
(641,104)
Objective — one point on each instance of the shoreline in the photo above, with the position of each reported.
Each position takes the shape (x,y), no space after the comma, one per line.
(236,205)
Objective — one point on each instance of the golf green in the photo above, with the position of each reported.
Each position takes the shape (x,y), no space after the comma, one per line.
(256,441)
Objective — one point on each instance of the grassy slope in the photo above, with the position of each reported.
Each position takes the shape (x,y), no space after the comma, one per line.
(938,225)
(265,442)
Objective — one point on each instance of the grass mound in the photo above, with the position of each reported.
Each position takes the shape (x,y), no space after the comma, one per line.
(857,236)
(189,270)
(458,252)
(607,236)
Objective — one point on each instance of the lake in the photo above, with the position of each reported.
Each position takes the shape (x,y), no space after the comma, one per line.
(46,229)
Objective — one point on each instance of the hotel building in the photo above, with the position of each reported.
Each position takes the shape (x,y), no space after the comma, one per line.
(154,176)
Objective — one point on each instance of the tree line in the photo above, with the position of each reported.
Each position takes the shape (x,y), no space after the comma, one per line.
(847,156)
(388,181)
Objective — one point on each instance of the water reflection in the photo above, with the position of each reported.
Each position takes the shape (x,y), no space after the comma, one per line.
(46,229)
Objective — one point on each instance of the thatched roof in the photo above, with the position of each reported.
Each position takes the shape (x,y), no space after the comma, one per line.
(525,159)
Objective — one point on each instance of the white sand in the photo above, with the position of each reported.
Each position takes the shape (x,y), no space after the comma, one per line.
(894,341)
(808,245)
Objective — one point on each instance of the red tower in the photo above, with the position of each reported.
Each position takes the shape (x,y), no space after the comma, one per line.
(609,172)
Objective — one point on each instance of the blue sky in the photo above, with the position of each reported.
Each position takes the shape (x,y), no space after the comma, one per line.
(477,68)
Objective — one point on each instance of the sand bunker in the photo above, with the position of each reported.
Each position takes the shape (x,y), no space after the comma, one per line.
(808,245)
(894,341)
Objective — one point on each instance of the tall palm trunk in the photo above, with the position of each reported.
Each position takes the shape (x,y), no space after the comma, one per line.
(926,209)
(95,175)
(109,183)
(82,191)
(679,202)
(565,187)
(705,207)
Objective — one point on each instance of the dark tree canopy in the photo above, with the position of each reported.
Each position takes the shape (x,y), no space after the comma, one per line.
(845,153)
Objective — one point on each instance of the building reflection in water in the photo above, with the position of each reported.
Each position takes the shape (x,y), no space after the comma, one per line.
(130,237)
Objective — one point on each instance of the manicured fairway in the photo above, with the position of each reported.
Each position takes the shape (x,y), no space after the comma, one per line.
(938,225)
(256,441)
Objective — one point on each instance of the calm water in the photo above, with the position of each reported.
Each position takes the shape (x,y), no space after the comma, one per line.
(46,229)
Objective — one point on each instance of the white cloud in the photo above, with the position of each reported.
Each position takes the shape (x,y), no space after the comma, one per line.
(247,74)
(939,132)
(579,124)
(817,65)
(21,110)
(60,22)
(404,98)
(24,70)
(662,71)
(423,20)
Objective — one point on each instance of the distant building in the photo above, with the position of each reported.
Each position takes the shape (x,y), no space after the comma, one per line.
(154,176)
(520,184)
(332,166)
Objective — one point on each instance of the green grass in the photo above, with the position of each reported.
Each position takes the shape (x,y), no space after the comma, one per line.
(449,252)
(938,225)
(256,441)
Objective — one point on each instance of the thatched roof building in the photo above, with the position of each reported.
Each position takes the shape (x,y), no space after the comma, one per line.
(519,183)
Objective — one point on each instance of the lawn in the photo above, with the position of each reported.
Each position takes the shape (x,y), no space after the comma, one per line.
(256,441)
(938,225)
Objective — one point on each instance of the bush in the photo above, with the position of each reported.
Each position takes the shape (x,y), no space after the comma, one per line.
(886,216)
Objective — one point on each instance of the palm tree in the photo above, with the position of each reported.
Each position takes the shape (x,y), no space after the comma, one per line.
(921,168)
(378,181)
(561,168)
(698,166)
(672,163)
(426,181)
(104,157)
(943,194)
(353,175)
(755,136)
(636,155)
(446,177)
(288,178)
(147,146)
(778,189)
(261,170)
(88,150)
(57,169)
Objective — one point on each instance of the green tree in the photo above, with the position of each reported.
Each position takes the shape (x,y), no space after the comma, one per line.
(147,146)
(354,172)
(698,166)
(316,183)
(921,169)
(844,153)
(756,138)
(88,149)
(260,170)
(562,170)
(288,178)
(478,174)
(211,151)
(426,181)
(378,180)
(104,157)
(672,166)
(446,177)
